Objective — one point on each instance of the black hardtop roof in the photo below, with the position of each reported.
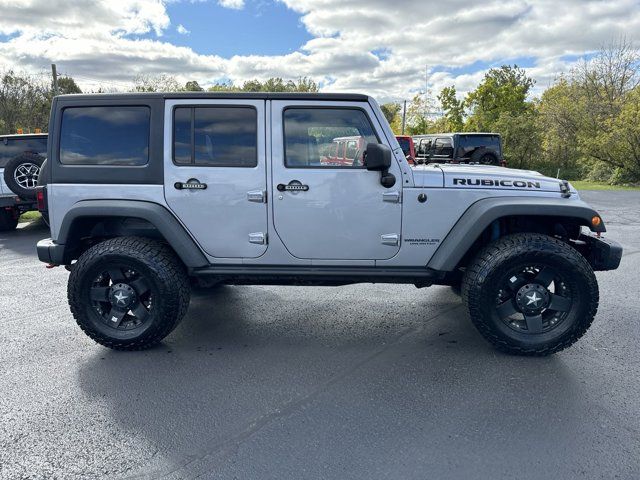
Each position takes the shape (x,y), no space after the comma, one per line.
(451,134)
(353,97)
(24,135)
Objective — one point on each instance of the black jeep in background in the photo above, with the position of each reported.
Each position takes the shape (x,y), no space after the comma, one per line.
(479,148)
(21,157)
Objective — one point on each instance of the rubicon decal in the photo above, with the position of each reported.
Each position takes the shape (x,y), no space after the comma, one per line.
(489,182)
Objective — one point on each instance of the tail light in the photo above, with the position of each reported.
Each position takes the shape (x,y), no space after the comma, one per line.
(41,197)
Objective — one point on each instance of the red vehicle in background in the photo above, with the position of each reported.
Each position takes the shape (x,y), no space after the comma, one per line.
(408,148)
(345,152)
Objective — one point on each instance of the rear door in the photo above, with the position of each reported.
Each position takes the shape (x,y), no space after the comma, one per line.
(215,173)
(328,211)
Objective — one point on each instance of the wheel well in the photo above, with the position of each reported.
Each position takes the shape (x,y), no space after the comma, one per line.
(87,231)
(564,228)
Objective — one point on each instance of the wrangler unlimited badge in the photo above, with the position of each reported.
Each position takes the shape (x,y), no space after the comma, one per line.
(488,182)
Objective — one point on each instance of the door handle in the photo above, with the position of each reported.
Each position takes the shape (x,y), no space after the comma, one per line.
(191,184)
(292,186)
(392,197)
(258,196)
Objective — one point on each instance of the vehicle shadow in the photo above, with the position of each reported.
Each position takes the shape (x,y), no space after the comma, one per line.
(246,355)
(23,239)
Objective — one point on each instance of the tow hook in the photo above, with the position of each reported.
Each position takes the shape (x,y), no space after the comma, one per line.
(51,265)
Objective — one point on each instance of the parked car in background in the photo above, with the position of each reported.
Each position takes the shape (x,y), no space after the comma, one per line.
(408,147)
(345,152)
(21,157)
(478,148)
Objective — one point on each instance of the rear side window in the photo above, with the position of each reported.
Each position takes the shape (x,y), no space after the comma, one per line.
(310,136)
(215,136)
(12,147)
(474,141)
(113,135)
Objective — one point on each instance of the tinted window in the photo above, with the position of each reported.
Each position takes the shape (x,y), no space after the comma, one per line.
(216,136)
(117,135)
(12,147)
(182,128)
(405,146)
(310,136)
(473,141)
(443,142)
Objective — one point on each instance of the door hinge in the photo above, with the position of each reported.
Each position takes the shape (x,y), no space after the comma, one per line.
(258,196)
(259,238)
(392,239)
(392,197)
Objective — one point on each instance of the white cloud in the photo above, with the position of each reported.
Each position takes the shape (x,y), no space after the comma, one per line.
(235,4)
(371,46)
(182,30)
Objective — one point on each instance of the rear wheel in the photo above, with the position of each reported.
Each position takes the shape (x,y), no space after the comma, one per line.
(8,220)
(128,293)
(530,294)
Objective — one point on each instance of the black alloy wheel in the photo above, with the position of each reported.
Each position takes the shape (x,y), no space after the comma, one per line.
(530,294)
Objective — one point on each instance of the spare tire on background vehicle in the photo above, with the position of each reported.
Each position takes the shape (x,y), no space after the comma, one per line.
(21,174)
(484,157)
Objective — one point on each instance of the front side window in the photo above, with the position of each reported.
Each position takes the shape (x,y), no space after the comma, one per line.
(311,135)
(215,136)
(113,135)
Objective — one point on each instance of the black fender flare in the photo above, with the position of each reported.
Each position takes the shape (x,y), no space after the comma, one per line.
(160,217)
(482,213)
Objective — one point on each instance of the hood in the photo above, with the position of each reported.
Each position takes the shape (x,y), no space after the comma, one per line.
(490,177)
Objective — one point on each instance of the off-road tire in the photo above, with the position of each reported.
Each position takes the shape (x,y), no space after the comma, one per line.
(8,220)
(168,283)
(12,166)
(480,292)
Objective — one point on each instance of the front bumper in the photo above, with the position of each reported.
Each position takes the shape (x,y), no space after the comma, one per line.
(50,252)
(602,253)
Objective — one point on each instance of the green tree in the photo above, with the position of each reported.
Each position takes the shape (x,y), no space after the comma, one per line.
(193,86)
(156,83)
(67,85)
(25,102)
(503,90)
(418,119)
(277,84)
(390,111)
(453,110)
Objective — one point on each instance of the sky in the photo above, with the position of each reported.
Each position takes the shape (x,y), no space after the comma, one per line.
(379,47)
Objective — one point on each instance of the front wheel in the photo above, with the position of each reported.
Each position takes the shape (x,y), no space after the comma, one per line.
(128,293)
(530,294)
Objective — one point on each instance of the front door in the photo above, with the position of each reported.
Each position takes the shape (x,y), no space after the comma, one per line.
(328,206)
(215,173)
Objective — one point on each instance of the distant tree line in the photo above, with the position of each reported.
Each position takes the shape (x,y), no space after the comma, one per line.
(587,124)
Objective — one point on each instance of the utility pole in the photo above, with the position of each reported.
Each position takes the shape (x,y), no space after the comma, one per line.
(55,79)
(426,89)
(404,116)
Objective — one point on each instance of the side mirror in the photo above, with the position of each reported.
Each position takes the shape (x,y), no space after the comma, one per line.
(377,157)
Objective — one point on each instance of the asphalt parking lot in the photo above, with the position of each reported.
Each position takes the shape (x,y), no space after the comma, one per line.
(365,381)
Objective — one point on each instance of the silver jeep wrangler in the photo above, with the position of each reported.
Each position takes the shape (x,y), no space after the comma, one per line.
(148,193)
